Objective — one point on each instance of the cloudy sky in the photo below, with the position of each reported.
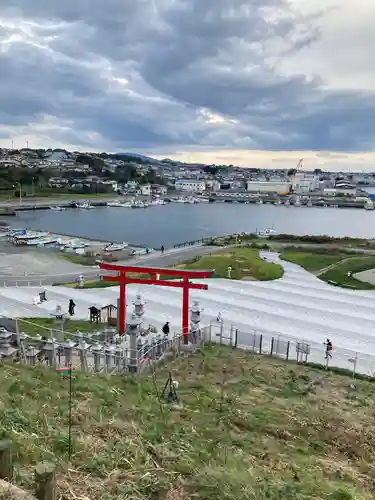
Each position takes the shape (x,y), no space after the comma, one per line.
(249,82)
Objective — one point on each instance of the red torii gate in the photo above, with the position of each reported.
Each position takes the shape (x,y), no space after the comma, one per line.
(155,273)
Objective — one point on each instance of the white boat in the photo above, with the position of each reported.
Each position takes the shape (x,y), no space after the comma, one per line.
(86,205)
(139,204)
(309,203)
(28,235)
(265,232)
(119,204)
(42,241)
(73,244)
(259,201)
(369,205)
(157,201)
(114,247)
(57,209)
(287,203)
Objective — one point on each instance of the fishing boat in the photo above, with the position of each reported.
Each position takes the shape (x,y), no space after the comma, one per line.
(157,201)
(86,205)
(73,245)
(118,204)
(57,208)
(139,204)
(369,204)
(23,238)
(263,233)
(115,247)
(40,242)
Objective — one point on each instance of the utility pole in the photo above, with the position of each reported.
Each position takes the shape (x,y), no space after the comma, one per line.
(20,188)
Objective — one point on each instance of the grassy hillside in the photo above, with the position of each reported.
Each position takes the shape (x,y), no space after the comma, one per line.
(245,429)
(245,263)
(334,266)
(312,261)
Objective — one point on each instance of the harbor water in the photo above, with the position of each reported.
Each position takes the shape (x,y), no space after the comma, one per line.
(175,223)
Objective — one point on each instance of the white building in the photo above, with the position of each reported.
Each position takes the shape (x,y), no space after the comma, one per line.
(212,185)
(192,185)
(341,190)
(268,186)
(304,183)
(145,189)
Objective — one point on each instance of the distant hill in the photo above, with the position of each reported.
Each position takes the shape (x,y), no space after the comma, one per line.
(137,155)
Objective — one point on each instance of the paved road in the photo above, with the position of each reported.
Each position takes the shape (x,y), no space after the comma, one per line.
(156,259)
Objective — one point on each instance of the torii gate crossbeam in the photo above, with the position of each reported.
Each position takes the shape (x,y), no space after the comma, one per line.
(155,272)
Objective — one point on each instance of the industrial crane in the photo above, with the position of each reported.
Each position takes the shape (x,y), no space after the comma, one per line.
(294,171)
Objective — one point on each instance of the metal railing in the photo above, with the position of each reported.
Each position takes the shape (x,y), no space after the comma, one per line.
(106,351)
(300,350)
(25,282)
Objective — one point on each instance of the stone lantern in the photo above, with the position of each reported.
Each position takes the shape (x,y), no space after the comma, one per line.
(195,318)
(132,331)
(59,322)
(139,306)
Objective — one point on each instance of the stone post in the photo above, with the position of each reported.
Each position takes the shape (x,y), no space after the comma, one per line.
(82,349)
(45,481)
(132,331)
(153,348)
(108,356)
(68,352)
(97,351)
(6,462)
(119,359)
(159,345)
(50,350)
(31,355)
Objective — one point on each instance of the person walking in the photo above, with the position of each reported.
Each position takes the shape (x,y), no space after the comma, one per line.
(162,249)
(166,329)
(71,307)
(329,347)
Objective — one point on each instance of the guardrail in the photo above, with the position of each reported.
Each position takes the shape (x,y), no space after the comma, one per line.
(25,282)
(300,350)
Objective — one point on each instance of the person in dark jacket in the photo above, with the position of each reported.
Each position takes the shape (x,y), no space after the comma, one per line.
(166,328)
(71,307)
(162,249)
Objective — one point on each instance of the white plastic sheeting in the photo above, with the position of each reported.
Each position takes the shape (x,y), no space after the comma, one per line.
(297,306)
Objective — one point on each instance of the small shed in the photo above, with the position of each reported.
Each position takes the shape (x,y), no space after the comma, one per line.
(109,315)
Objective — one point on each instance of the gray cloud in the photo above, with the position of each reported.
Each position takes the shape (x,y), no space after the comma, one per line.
(155,73)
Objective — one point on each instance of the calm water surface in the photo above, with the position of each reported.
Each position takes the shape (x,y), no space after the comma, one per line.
(175,223)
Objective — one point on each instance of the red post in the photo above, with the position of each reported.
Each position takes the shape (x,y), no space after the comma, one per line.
(185,310)
(122,311)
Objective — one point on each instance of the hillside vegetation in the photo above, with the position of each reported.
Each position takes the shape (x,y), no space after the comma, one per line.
(333,267)
(245,263)
(245,428)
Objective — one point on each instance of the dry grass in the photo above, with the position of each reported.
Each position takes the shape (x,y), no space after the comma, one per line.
(246,428)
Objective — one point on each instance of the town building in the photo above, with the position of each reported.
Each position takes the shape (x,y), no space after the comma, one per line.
(280,187)
(191,185)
